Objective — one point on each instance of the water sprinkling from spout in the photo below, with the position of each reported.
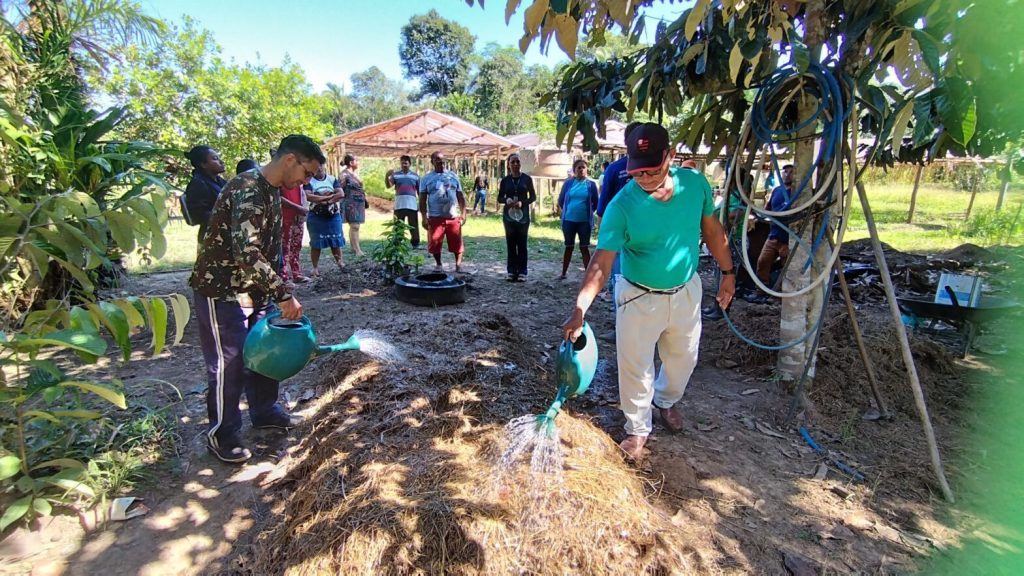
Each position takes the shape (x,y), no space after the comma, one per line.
(375,345)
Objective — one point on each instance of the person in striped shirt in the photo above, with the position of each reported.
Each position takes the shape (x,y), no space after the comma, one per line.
(406,184)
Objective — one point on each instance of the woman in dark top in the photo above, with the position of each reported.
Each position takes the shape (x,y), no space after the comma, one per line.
(355,204)
(204,188)
(515,194)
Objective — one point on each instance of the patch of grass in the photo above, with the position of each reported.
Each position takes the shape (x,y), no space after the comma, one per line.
(484,239)
(135,447)
(180,255)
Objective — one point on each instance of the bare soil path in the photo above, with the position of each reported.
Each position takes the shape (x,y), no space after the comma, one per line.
(747,491)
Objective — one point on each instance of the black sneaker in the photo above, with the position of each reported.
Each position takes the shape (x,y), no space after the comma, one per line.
(712,312)
(228,450)
(277,421)
(755,297)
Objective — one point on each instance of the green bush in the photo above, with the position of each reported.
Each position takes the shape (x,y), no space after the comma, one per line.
(372,171)
(1002,227)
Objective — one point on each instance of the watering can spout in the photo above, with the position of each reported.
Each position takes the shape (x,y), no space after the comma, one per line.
(351,344)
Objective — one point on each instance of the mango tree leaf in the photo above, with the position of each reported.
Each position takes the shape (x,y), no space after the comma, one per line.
(929,51)
(157,243)
(83,321)
(42,507)
(694,17)
(40,259)
(5,245)
(567,33)
(131,313)
(32,414)
(10,465)
(510,9)
(80,414)
(60,463)
(76,272)
(534,16)
(72,339)
(51,394)
(735,61)
(83,240)
(899,127)
(69,479)
(179,305)
(957,109)
(122,229)
(157,310)
(117,323)
(109,394)
(924,129)
(67,245)
(15,511)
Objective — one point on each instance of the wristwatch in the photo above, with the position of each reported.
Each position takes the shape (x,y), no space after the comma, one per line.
(729,272)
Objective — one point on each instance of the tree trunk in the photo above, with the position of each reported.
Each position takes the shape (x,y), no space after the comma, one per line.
(795,320)
(913,195)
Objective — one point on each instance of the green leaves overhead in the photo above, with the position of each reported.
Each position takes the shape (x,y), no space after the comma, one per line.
(957,109)
(721,48)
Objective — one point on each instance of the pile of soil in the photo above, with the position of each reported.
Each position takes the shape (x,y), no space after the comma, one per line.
(397,473)
(840,393)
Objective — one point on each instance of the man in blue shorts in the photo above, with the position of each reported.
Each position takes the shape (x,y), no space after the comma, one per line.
(655,222)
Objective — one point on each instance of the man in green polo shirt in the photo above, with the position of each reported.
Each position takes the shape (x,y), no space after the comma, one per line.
(656,222)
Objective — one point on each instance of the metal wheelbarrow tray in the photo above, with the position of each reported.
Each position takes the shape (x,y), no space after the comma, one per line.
(964,319)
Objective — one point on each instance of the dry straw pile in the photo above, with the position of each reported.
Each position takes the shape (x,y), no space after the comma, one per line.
(399,475)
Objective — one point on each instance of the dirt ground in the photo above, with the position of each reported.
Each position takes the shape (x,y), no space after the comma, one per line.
(743,488)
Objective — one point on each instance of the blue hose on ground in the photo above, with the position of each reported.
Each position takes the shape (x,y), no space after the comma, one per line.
(839,464)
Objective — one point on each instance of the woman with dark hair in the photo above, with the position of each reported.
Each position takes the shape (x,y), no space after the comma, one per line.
(516,193)
(355,204)
(480,186)
(323,193)
(204,188)
(577,203)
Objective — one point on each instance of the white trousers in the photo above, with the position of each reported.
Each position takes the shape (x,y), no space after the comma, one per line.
(643,321)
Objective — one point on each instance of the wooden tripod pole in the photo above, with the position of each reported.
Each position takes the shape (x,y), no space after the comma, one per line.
(852,313)
(908,357)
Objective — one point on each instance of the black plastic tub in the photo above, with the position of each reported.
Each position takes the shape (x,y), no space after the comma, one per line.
(433,289)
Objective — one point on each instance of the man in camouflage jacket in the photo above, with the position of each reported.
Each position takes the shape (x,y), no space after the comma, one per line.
(235,283)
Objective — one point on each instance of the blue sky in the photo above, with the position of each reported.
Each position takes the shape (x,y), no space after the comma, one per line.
(331,40)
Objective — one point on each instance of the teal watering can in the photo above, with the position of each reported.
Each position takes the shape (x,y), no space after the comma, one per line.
(279,348)
(574,368)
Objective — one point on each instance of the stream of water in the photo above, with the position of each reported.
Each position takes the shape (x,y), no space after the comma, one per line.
(374,345)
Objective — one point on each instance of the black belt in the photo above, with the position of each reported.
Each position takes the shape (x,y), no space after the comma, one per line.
(655,290)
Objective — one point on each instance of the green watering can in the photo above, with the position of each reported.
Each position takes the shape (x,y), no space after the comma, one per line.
(279,348)
(575,368)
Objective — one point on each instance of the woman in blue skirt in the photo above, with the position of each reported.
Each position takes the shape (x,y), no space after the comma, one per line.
(324,220)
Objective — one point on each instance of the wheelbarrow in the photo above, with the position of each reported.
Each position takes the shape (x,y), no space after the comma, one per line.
(928,316)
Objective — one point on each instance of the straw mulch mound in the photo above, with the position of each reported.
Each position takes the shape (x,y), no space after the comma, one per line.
(398,474)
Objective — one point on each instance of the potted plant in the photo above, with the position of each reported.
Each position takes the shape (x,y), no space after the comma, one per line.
(393,253)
